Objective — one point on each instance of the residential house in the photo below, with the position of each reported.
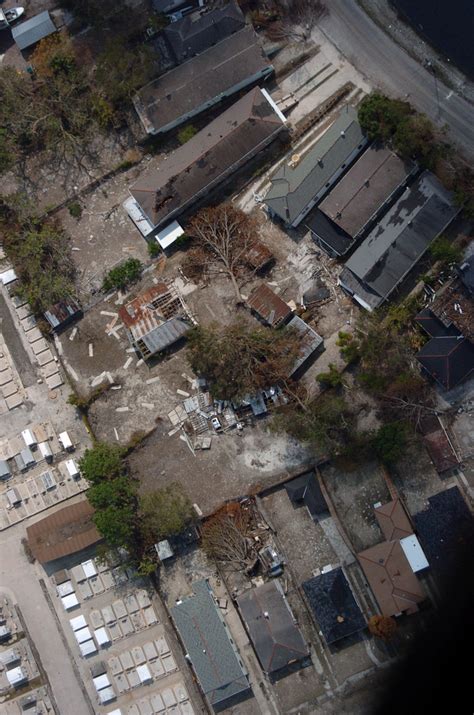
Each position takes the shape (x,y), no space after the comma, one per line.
(155,320)
(205,161)
(272,629)
(392,249)
(63,533)
(209,646)
(199,31)
(395,586)
(359,199)
(199,83)
(303,179)
(446,531)
(334,606)
(448,357)
(268,306)
(393,520)
(305,490)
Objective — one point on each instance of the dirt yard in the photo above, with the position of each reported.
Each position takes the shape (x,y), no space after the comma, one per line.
(354,494)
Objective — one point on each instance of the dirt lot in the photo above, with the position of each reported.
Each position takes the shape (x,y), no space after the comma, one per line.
(354,494)
(416,478)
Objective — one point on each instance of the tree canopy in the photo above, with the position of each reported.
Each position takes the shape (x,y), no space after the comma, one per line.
(102,463)
(165,512)
(239,359)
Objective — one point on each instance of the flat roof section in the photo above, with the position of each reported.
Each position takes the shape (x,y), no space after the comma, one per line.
(368,184)
(201,80)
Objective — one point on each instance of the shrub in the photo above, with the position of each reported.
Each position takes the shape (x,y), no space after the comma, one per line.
(123,275)
(154,249)
(349,347)
(75,209)
(442,249)
(332,378)
(186,133)
(390,442)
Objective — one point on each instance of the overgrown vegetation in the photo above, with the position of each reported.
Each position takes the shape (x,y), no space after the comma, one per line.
(123,517)
(442,249)
(331,378)
(187,133)
(239,359)
(123,275)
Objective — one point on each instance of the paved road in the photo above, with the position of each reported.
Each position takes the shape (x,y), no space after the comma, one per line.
(20,577)
(388,67)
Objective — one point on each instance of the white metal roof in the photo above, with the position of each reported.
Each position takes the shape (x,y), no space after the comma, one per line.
(101,681)
(72,467)
(138,218)
(88,647)
(65,440)
(64,589)
(144,674)
(106,695)
(70,601)
(77,623)
(414,553)
(169,234)
(83,635)
(89,568)
(28,438)
(45,450)
(16,676)
(100,634)
(8,276)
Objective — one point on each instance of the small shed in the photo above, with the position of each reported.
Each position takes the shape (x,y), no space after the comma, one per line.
(13,497)
(45,451)
(62,314)
(10,657)
(164,550)
(48,480)
(31,31)
(27,457)
(16,677)
(65,441)
(29,439)
(72,469)
(5,472)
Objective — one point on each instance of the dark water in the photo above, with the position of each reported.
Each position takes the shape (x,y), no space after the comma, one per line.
(448,25)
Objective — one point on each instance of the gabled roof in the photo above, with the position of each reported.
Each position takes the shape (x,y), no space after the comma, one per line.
(393,520)
(310,341)
(445,529)
(202,80)
(305,489)
(297,182)
(449,360)
(399,240)
(394,585)
(194,168)
(33,30)
(207,642)
(269,306)
(271,627)
(196,32)
(334,606)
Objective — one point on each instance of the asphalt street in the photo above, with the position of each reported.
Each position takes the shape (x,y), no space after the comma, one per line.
(389,68)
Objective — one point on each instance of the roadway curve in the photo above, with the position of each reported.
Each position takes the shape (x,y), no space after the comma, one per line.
(389,68)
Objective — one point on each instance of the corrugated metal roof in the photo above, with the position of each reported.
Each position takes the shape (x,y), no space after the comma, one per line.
(310,341)
(165,334)
(33,30)
(207,641)
(268,305)
(296,184)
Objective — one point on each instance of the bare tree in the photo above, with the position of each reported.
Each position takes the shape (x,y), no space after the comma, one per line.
(226,537)
(224,236)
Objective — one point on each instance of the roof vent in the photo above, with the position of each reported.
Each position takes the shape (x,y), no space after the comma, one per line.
(343,133)
(266,614)
(340,619)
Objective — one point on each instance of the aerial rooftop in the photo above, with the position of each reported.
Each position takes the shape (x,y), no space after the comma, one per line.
(202,81)
(269,306)
(303,179)
(397,243)
(271,626)
(393,520)
(208,158)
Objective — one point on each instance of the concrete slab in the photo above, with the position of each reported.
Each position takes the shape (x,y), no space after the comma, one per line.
(23,311)
(29,323)
(14,401)
(9,389)
(54,381)
(34,335)
(5,377)
(39,346)
(45,357)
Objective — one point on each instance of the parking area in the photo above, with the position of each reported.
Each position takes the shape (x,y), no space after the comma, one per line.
(117,634)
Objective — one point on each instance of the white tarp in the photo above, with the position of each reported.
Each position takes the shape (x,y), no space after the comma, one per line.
(414,553)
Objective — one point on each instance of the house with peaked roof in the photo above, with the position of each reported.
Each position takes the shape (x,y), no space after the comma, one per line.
(268,306)
(334,606)
(234,63)
(359,199)
(303,179)
(395,586)
(271,626)
(208,644)
(205,161)
(448,359)
(392,249)
(198,31)
(305,490)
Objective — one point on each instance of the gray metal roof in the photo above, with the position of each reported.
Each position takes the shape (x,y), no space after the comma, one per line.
(207,642)
(310,341)
(296,184)
(271,626)
(400,239)
(33,30)
(165,334)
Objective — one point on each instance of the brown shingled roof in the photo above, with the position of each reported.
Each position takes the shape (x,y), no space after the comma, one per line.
(393,520)
(394,585)
(269,306)
(62,533)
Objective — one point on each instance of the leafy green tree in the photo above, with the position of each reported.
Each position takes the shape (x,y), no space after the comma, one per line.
(119,492)
(122,69)
(103,462)
(165,512)
(239,359)
(332,378)
(380,116)
(442,249)
(123,275)
(117,525)
(390,442)
(349,346)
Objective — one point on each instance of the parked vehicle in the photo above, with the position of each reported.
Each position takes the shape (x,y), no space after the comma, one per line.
(216,423)
(10,16)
